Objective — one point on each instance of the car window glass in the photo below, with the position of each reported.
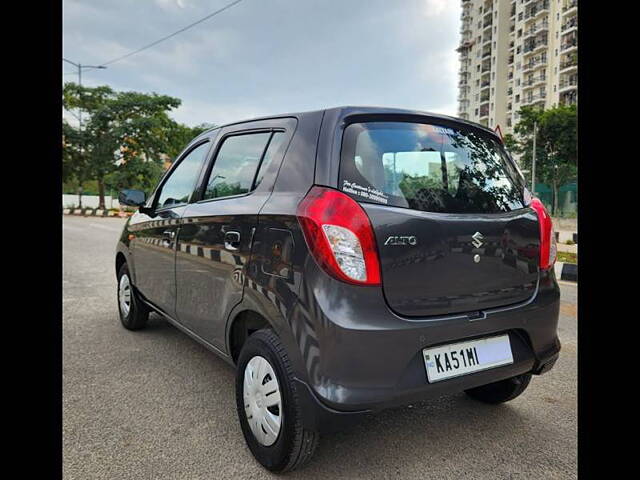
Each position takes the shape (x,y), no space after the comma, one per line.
(274,146)
(429,168)
(235,165)
(180,184)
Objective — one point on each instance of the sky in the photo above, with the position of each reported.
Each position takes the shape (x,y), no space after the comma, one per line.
(263,57)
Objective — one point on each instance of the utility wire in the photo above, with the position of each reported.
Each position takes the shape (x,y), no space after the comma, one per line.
(174,33)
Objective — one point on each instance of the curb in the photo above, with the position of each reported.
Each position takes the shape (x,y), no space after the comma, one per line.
(566,271)
(94,212)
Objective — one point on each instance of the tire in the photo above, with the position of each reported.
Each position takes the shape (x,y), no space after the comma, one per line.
(136,315)
(502,391)
(293,445)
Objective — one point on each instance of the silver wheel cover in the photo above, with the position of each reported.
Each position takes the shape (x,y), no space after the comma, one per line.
(124,295)
(262,401)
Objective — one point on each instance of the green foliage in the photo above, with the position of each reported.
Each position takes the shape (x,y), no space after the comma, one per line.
(567,257)
(125,140)
(556,145)
(510,143)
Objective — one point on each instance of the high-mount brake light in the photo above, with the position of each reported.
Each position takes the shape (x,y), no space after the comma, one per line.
(340,236)
(548,245)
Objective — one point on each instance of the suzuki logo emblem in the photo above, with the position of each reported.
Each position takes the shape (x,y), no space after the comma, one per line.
(477,239)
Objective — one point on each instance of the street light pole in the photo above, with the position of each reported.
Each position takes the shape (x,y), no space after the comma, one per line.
(79,66)
(533,160)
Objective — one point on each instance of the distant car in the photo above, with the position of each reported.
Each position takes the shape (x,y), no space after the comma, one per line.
(346,261)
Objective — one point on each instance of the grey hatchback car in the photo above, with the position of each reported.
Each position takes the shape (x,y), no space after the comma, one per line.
(346,261)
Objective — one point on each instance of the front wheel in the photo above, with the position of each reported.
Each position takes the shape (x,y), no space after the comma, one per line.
(268,407)
(133,313)
(502,391)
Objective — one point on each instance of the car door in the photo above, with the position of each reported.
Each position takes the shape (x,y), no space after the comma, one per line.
(155,231)
(214,243)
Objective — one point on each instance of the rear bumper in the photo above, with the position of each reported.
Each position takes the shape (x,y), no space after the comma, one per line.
(360,357)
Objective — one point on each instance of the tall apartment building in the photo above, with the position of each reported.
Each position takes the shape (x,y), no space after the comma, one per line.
(515,53)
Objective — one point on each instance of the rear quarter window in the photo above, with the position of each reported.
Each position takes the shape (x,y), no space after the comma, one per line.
(427,167)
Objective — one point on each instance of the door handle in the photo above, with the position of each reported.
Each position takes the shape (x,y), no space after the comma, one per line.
(232,240)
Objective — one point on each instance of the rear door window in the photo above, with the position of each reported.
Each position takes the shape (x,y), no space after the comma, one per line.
(428,167)
(236,164)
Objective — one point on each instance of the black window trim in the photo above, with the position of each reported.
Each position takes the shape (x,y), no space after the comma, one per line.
(360,119)
(201,189)
(168,173)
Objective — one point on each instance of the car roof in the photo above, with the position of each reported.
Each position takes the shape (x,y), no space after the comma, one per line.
(343,111)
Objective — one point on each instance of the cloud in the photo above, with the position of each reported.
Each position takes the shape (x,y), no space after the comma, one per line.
(434,8)
(259,58)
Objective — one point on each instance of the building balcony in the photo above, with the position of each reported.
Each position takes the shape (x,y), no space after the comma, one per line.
(571,4)
(534,99)
(532,82)
(570,64)
(533,46)
(568,83)
(464,47)
(536,9)
(569,25)
(536,28)
(569,44)
(484,112)
(534,63)
(569,97)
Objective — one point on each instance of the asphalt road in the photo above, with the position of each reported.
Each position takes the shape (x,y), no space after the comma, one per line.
(154,404)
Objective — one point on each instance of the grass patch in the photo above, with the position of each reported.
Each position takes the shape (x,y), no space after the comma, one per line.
(568,257)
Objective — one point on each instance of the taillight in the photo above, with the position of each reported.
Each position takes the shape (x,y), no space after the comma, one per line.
(339,235)
(548,246)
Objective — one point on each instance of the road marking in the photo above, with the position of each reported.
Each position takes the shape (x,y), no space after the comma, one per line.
(104,227)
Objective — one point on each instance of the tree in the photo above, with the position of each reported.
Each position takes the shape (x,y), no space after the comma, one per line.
(124,139)
(75,168)
(556,145)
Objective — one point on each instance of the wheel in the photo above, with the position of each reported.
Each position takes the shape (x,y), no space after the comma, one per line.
(133,313)
(502,391)
(268,407)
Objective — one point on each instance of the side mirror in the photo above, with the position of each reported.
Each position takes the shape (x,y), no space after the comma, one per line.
(133,198)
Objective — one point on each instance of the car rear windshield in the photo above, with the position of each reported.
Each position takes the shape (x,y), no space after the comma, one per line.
(428,167)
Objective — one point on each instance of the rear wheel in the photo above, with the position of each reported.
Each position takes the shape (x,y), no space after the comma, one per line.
(268,406)
(133,313)
(502,391)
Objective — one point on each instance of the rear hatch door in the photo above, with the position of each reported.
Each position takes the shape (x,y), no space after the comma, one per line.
(447,206)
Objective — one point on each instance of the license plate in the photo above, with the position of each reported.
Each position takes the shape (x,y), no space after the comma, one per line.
(453,360)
